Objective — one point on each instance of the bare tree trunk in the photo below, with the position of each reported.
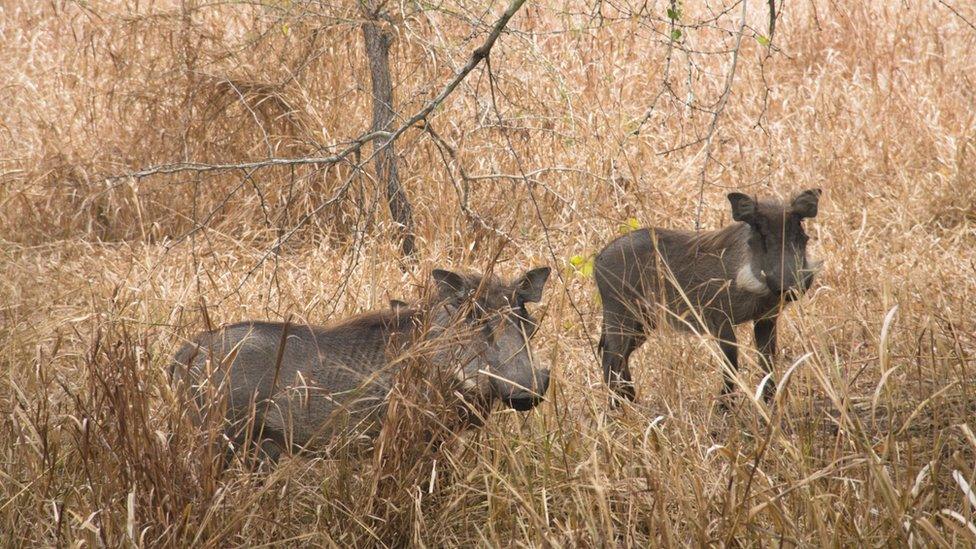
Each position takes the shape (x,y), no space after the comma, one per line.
(378,51)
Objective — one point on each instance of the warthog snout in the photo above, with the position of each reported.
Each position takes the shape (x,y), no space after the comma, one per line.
(804,280)
(523,397)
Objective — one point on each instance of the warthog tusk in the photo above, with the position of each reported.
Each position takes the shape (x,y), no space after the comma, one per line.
(747,280)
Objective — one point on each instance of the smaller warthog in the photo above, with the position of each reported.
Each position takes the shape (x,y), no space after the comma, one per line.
(297,386)
(707,281)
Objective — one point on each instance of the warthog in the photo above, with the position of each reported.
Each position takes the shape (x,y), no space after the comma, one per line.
(707,281)
(292,386)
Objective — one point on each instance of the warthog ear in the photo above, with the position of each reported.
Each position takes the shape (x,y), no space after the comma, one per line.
(529,286)
(448,282)
(743,207)
(805,203)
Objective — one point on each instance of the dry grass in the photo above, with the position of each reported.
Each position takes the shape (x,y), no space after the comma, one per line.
(872,101)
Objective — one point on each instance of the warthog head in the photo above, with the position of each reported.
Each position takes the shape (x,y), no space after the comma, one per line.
(777,244)
(492,328)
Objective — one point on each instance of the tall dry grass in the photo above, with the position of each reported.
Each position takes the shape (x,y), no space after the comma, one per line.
(872,101)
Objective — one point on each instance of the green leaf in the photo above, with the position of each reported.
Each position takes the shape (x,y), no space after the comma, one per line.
(674,14)
(676,34)
(763,41)
(587,269)
(630,225)
(583,264)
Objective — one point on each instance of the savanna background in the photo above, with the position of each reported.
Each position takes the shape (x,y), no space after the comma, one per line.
(592,117)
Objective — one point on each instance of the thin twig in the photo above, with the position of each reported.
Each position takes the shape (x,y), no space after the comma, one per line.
(462,194)
(665,79)
(718,112)
(254,165)
(959,15)
(530,188)
(301,223)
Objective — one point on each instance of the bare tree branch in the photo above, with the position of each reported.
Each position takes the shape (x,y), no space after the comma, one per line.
(257,164)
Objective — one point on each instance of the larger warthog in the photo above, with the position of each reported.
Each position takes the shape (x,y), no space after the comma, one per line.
(707,282)
(297,386)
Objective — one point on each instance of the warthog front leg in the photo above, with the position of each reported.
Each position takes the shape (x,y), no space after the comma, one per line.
(617,342)
(765,332)
(730,350)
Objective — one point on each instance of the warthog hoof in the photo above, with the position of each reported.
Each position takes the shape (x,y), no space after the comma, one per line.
(622,390)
